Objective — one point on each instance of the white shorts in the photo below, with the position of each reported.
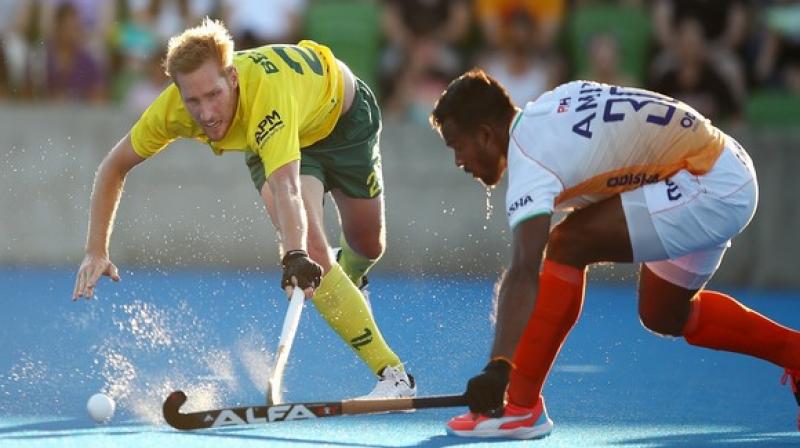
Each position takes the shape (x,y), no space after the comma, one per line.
(681,227)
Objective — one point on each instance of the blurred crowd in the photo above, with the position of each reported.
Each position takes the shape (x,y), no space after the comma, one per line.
(733,60)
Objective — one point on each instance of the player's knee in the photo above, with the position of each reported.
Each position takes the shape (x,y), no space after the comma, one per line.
(661,322)
(565,246)
(371,248)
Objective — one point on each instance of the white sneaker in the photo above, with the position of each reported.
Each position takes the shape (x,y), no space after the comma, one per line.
(393,383)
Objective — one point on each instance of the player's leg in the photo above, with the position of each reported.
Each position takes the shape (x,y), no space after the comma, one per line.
(689,222)
(712,319)
(663,306)
(694,219)
(337,299)
(353,166)
(592,234)
(595,233)
(363,238)
(708,318)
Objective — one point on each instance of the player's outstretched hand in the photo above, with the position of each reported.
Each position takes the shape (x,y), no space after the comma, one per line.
(92,268)
(486,391)
(301,271)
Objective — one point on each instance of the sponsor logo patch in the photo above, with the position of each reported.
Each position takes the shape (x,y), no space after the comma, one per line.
(521,202)
(267,126)
(563,105)
(632,179)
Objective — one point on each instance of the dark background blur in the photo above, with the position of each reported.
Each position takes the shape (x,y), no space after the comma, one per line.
(735,61)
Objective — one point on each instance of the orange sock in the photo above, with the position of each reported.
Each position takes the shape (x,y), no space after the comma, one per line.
(719,322)
(558,305)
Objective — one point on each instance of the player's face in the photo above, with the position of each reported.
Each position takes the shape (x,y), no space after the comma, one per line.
(210,95)
(477,151)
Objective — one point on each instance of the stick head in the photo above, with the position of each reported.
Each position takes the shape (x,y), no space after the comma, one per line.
(171,409)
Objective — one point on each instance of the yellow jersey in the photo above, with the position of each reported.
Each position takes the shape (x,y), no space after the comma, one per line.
(290,96)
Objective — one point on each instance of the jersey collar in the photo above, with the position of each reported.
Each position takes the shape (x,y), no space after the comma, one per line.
(516,119)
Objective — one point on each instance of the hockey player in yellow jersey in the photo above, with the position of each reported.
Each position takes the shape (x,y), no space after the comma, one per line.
(647,179)
(307,126)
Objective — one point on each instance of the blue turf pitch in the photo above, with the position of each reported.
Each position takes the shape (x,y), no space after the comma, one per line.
(211,333)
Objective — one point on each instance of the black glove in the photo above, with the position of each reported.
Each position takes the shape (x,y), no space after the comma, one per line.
(486,391)
(305,271)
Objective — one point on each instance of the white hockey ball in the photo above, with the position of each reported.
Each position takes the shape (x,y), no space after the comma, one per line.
(101,407)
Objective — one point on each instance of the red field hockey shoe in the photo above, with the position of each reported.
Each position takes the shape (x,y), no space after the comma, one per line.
(515,423)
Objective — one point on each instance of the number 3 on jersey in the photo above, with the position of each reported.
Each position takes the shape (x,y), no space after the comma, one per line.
(614,108)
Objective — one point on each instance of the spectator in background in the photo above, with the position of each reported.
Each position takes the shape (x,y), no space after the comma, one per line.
(71,70)
(604,65)
(16,26)
(259,22)
(724,27)
(778,61)
(144,89)
(3,75)
(518,64)
(689,75)
(136,37)
(547,14)
(135,41)
(143,31)
(420,57)
(170,17)
(95,19)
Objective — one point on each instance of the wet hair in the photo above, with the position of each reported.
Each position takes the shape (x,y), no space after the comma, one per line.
(471,99)
(192,48)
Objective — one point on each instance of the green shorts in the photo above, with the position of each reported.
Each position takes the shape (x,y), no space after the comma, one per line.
(349,158)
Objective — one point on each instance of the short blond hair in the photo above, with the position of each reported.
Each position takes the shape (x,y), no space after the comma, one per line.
(193,47)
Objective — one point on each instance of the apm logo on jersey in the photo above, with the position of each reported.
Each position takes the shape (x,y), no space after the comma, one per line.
(227,417)
(519,203)
(266,127)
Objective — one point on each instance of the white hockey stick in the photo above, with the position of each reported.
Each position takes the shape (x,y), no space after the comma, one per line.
(275,384)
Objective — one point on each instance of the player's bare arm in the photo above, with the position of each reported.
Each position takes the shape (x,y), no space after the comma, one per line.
(290,217)
(106,193)
(284,184)
(515,303)
(520,284)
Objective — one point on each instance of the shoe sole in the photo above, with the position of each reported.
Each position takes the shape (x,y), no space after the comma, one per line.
(535,432)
